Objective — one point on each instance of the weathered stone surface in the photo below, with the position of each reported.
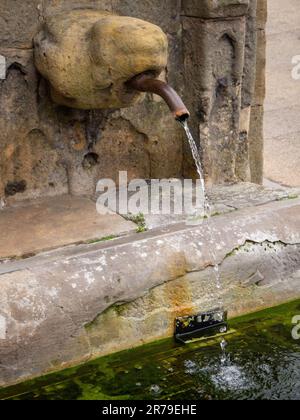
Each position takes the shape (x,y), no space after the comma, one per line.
(53,222)
(64,307)
(256,144)
(19,22)
(26,152)
(88,56)
(256,128)
(215,8)
(76,219)
(50,8)
(243,290)
(214,72)
(238,163)
(222,199)
(248,87)
(48,147)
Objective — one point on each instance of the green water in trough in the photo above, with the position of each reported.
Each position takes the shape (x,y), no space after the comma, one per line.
(261,361)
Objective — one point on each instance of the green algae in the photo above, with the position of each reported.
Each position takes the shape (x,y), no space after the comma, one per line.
(262,361)
(104,239)
(289,197)
(139,220)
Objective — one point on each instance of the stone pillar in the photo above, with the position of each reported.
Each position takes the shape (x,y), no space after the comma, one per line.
(256,131)
(243,170)
(219,41)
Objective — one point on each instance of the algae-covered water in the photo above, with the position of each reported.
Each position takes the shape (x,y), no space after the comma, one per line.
(261,361)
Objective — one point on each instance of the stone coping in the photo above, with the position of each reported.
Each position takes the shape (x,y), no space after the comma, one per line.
(35,226)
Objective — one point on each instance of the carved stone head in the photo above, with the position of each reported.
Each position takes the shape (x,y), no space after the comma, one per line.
(88,56)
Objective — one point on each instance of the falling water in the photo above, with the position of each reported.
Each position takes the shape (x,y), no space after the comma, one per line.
(207,214)
(206,204)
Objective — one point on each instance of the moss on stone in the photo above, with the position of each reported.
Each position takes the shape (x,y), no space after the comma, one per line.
(139,220)
(289,197)
(134,374)
(104,239)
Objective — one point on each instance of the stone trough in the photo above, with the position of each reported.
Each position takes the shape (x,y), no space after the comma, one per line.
(70,304)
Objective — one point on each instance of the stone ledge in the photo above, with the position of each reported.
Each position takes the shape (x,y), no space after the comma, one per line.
(53,222)
(225,199)
(65,309)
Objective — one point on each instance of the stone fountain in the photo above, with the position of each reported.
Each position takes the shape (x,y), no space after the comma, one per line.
(75,285)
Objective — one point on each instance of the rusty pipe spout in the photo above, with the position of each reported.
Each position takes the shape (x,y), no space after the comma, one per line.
(147,83)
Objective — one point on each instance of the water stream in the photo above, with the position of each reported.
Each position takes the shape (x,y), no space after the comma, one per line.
(207,210)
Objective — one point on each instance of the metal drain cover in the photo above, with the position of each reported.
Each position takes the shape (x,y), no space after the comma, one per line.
(206,324)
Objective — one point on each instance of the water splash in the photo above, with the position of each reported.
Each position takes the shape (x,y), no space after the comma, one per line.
(224,357)
(155,389)
(223,344)
(206,205)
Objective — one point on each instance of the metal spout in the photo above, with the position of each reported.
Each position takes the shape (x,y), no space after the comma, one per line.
(146,83)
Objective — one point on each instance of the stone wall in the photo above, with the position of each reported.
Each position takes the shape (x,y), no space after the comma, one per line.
(49,150)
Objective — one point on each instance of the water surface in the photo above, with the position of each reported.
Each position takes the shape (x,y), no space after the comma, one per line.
(261,361)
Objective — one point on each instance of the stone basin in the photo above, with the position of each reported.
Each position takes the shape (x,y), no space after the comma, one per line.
(67,305)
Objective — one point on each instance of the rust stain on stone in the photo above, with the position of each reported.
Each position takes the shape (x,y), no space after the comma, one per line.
(179,298)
